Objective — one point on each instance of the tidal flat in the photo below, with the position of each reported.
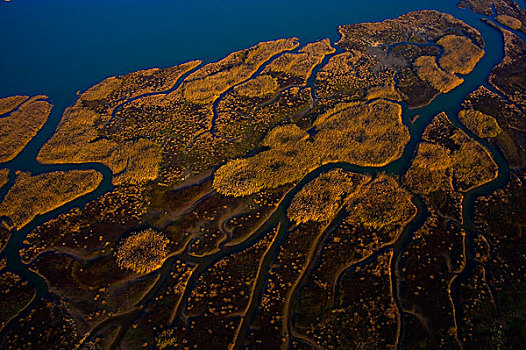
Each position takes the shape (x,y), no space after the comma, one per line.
(287,196)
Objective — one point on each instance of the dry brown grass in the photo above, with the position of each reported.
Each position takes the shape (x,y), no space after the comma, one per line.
(430,169)
(102,90)
(143,251)
(449,161)
(129,143)
(286,136)
(460,54)
(114,89)
(285,163)
(302,63)
(482,125)
(472,166)
(19,127)
(352,74)
(261,86)
(387,92)
(363,134)
(418,26)
(510,13)
(357,133)
(4,177)
(381,204)
(432,156)
(205,85)
(35,195)
(143,163)
(510,120)
(76,141)
(509,21)
(266,49)
(7,104)
(206,90)
(508,78)
(428,71)
(321,198)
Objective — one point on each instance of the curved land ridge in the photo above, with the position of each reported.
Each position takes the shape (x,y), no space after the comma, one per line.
(364,195)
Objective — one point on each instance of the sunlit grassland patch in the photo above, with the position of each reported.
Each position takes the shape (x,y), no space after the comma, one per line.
(357,133)
(428,70)
(7,104)
(19,127)
(460,54)
(321,198)
(448,159)
(34,195)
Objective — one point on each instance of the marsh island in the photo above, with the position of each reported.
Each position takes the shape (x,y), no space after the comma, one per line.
(367,193)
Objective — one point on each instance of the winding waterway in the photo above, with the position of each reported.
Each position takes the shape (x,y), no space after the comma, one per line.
(62,94)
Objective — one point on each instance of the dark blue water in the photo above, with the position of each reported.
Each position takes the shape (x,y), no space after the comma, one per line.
(57,47)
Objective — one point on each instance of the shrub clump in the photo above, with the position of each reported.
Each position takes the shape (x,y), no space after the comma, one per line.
(143,251)
(482,125)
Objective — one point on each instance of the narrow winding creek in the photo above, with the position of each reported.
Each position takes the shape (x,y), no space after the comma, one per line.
(449,103)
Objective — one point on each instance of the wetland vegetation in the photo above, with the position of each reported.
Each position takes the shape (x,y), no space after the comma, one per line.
(21,122)
(34,195)
(293,196)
